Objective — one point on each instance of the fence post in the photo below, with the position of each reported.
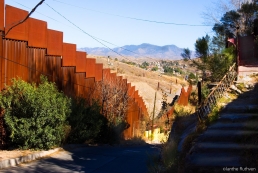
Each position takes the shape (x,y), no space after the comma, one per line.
(1,61)
(199,86)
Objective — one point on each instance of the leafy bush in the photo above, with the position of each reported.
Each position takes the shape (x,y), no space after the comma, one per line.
(192,76)
(168,69)
(169,155)
(35,116)
(114,133)
(205,91)
(87,123)
(182,111)
(193,99)
(154,68)
(167,161)
(144,65)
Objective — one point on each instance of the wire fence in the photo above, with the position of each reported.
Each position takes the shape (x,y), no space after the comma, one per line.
(208,104)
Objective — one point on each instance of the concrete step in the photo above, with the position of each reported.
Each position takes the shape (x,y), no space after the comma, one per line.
(216,163)
(236,117)
(248,124)
(215,147)
(241,107)
(218,159)
(217,135)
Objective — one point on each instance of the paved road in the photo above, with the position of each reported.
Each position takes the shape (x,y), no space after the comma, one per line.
(101,159)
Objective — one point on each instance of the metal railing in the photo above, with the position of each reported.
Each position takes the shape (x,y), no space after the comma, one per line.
(208,104)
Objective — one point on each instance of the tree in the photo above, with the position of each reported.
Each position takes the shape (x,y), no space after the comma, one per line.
(219,40)
(35,115)
(231,23)
(154,68)
(191,76)
(202,47)
(214,13)
(186,54)
(247,11)
(168,69)
(112,94)
(238,20)
(212,58)
(202,51)
(87,123)
(144,65)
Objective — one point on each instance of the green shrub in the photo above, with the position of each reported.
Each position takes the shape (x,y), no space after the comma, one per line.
(35,116)
(169,155)
(205,92)
(241,86)
(154,68)
(154,164)
(87,123)
(182,111)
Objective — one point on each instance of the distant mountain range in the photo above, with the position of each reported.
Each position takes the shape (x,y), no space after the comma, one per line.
(139,51)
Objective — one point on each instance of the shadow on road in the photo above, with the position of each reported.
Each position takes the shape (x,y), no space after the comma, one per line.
(92,159)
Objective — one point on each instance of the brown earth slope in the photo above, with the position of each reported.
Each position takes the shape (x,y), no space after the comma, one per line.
(146,82)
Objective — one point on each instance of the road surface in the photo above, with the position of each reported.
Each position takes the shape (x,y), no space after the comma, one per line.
(92,159)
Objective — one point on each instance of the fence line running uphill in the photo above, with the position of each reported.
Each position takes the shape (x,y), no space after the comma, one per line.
(31,49)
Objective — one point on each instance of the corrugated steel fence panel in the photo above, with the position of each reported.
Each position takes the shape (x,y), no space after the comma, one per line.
(1,62)
(184,96)
(69,54)
(80,61)
(54,42)
(2,15)
(90,67)
(2,19)
(98,72)
(14,61)
(13,16)
(37,34)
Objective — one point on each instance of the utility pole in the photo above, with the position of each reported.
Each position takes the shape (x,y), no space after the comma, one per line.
(152,128)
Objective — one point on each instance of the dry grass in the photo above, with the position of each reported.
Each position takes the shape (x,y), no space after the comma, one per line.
(9,154)
(145,82)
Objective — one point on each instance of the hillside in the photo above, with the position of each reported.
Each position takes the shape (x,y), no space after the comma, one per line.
(146,82)
(144,50)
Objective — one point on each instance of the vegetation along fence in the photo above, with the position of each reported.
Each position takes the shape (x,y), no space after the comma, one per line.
(206,107)
(31,49)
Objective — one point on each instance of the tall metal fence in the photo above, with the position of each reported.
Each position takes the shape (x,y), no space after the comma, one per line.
(182,100)
(208,104)
(31,49)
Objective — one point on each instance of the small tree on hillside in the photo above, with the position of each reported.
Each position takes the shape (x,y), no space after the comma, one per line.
(112,94)
(114,99)
(186,54)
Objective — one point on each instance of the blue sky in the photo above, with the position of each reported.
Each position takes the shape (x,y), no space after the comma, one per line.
(93,17)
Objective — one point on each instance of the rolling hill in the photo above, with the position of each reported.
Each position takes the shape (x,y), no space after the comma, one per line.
(144,50)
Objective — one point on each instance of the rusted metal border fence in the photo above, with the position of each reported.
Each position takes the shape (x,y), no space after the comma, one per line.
(32,49)
(206,107)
